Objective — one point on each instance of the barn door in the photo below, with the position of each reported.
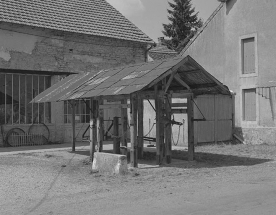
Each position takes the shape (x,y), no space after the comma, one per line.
(218,111)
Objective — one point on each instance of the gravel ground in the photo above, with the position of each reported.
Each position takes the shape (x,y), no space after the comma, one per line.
(61,182)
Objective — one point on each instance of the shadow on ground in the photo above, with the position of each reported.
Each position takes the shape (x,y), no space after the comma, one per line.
(202,159)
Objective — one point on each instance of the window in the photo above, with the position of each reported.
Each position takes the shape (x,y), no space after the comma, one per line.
(82,114)
(249,105)
(248,56)
(16,92)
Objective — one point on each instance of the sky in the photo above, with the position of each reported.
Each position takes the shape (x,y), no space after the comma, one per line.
(149,15)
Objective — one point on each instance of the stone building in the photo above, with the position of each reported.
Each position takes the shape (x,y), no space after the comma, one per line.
(43,41)
(237,45)
(161,51)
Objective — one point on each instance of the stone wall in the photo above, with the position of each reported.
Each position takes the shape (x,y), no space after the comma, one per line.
(23,47)
(37,49)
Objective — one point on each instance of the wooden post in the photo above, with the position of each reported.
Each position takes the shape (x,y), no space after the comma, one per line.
(116,140)
(73,106)
(100,129)
(91,148)
(93,131)
(168,132)
(140,127)
(159,126)
(133,131)
(215,120)
(191,147)
(124,127)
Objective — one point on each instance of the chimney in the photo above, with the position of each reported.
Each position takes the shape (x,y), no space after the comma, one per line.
(160,40)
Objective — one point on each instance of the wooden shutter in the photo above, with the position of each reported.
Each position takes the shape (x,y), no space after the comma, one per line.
(249,105)
(248,55)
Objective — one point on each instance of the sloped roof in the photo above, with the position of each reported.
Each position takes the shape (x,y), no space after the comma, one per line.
(202,28)
(92,17)
(134,78)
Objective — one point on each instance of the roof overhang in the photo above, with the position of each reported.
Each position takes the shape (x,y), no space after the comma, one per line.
(179,74)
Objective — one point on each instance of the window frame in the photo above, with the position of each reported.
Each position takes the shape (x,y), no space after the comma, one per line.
(241,39)
(244,122)
(22,119)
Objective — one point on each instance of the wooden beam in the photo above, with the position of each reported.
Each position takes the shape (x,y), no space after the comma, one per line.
(124,128)
(168,132)
(159,127)
(73,107)
(91,131)
(100,128)
(133,131)
(114,106)
(169,72)
(196,65)
(180,81)
(116,139)
(191,147)
(177,111)
(181,94)
(140,127)
(178,105)
(95,108)
(169,82)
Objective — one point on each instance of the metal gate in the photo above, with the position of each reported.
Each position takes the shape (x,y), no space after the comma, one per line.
(219,112)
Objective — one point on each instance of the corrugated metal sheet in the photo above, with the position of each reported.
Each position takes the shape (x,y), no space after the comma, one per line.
(132,78)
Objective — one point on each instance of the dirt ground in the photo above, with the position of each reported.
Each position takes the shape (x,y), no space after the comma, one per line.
(224,179)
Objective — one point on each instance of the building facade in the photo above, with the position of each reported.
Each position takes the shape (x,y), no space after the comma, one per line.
(237,46)
(43,41)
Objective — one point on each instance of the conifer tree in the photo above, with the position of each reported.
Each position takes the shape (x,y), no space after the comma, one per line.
(184,23)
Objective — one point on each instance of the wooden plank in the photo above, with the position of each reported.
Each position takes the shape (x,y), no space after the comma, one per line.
(124,128)
(111,106)
(133,131)
(181,94)
(180,81)
(116,139)
(179,105)
(176,111)
(191,147)
(168,133)
(73,106)
(140,127)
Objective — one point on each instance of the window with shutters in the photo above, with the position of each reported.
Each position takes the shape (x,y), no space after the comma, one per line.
(248,56)
(249,105)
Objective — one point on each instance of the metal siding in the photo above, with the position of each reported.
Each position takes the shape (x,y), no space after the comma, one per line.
(205,132)
(129,79)
(224,130)
(218,111)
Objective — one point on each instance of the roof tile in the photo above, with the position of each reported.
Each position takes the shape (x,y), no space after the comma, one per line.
(92,17)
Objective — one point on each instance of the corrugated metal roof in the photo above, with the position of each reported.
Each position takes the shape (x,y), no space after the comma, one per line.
(133,78)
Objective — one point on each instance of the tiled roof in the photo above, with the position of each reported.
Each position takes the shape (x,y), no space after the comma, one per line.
(92,17)
(162,49)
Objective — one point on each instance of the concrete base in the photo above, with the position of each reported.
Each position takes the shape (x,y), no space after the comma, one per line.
(109,163)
